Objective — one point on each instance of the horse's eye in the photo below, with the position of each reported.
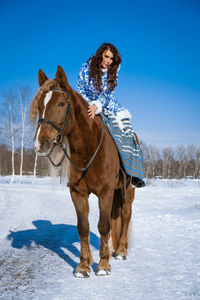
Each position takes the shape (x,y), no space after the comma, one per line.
(61,104)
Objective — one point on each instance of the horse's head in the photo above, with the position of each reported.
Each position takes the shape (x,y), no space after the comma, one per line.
(53,104)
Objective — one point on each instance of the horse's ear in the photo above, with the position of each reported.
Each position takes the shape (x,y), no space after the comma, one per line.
(41,77)
(62,78)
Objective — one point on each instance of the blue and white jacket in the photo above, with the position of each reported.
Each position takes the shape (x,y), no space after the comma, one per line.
(102,99)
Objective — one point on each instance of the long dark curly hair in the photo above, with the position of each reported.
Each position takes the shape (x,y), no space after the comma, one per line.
(95,68)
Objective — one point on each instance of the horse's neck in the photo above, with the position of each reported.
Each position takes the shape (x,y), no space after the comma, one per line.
(82,134)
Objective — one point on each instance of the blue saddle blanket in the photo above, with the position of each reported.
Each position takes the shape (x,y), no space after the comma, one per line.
(129,151)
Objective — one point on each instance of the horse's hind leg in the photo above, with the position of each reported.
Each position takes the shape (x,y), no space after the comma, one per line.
(82,209)
(126,211)
(116,222)
(105,205)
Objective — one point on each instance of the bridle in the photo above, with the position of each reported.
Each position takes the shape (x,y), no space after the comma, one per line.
(59,136)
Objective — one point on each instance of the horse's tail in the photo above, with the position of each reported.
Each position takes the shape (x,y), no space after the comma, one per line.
(120,218)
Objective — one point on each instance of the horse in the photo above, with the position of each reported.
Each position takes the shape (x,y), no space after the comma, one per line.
(94,167)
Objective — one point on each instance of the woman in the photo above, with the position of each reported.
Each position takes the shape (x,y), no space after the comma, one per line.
(96,83)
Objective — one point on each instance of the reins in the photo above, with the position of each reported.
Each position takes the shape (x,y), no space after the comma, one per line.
(58,137)
(93,156)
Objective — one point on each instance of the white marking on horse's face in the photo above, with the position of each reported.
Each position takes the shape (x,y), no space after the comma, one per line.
(46,101)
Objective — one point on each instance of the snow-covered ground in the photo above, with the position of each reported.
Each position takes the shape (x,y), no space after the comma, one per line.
(39,244)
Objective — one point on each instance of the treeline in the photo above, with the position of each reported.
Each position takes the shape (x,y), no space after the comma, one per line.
(6,167)
(167,163)
(182,162)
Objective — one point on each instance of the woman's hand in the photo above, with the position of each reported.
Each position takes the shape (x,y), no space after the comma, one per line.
(91,111)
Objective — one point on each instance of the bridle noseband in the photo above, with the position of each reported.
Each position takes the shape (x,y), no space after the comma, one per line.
(59,135)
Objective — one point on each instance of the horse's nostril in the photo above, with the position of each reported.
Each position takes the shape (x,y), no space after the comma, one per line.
(36,145)
(43,147)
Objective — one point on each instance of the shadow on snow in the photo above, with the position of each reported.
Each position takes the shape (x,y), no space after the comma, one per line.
(53,237)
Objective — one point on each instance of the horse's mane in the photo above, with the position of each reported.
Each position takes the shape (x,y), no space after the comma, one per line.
(81,100)
(45,88)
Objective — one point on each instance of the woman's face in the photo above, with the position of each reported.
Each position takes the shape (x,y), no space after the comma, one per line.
(107,58)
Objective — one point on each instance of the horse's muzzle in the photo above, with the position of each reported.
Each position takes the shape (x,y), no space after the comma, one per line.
(44,147)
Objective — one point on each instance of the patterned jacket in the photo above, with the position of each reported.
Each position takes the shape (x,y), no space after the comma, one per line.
(104,99)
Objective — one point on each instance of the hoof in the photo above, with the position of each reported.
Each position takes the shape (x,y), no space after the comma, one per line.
(83,274)
(121,257)
(103,272)
(112,253)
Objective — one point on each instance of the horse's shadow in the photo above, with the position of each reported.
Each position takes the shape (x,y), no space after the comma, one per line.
(53,237)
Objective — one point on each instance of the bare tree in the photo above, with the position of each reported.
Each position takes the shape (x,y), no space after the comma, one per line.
(190,153)
(146,156)
(194,154)
(154,157)
(35,168)
(181,156)
(167,156)
(13,143)
(9,103)
(23,96)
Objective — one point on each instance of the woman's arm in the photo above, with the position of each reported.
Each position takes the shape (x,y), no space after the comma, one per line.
(83,86)
(83,83)
(95,106)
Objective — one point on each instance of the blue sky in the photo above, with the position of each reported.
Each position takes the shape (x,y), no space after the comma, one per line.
(159,42)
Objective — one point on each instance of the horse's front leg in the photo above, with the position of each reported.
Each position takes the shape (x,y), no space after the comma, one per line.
(82,209)
(105,206)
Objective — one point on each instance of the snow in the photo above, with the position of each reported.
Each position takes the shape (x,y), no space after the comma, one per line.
(39,244)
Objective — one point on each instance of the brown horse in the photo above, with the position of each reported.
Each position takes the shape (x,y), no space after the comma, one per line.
(64,121)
